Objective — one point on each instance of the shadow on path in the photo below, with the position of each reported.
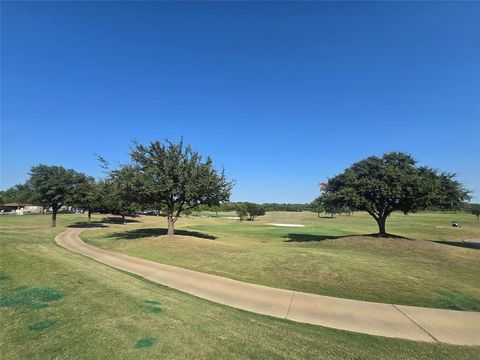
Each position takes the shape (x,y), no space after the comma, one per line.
(142,233)
(458,244)
(294,237)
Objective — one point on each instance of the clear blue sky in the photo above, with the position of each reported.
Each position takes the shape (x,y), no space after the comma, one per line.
(283,95)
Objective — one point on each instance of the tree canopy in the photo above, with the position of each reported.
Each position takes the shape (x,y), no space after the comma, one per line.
(241,210)
(89,195)
(317,206)
(330,204)
(20,193)
(54,187)
(473,209)
(249,210)
(124,191)
(393,182)
(178,178)
(254,210)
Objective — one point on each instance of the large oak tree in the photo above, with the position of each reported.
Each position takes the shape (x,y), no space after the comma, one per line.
(394,182)
(178,179)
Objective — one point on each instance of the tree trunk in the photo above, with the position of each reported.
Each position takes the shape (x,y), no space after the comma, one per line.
(89,216)
(381,226)
(54,217)
(331,215)
(123,218)
(171,223)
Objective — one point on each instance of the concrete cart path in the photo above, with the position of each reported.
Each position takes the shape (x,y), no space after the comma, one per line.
(397,321)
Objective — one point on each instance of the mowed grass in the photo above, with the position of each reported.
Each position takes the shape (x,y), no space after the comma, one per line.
(95,312)
(431,268)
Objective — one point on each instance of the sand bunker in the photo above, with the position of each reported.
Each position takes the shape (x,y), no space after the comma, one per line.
(287,225)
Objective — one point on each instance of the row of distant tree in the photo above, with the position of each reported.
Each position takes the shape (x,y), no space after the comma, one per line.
(172,179)
(232,206)
(318,206)
(473,208)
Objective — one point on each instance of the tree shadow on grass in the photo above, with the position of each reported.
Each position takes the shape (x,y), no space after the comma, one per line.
(309,237)
(152,232)
(117,220)
(101,223)
(458,244)
(293,237)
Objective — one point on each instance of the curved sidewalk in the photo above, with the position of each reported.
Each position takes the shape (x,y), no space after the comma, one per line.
(397,321)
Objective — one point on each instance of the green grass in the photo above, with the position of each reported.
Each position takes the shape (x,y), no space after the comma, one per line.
(154,309)
(324,257)
(99,316)
(457,301)
(153,306)
(145,342)
(42,325)
(30,298)
(152,302)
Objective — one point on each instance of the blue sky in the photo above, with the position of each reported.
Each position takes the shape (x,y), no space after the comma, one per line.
(283,95)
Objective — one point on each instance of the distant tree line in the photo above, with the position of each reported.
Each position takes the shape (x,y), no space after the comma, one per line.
(286,207)
(20,193)
(232,206)
(473,209)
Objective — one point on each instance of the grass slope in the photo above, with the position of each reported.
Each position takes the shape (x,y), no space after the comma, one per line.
(323,257)
(96,312)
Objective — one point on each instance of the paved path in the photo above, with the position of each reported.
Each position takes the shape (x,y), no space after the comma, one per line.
(398,321)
